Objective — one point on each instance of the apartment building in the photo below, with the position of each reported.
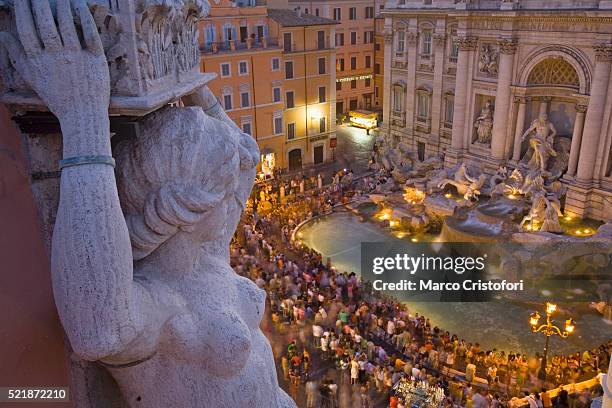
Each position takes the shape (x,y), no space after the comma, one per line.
(276,79)
(356,49)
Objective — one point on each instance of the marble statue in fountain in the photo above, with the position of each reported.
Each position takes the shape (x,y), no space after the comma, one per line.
(140,250)
(541,142)
(467,186)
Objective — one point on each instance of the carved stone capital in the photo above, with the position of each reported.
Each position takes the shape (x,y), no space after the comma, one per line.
(467,43)
(439,39)
(581,108)
(388,37)
(507,45)
(411,37)
(520,99)
(603,52)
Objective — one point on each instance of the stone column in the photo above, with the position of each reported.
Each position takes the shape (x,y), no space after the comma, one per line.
(520,125)
(436,99)
(576,140)
(387,77)
(507,48)
(544,103)
(466,46)
(595,113)
(411,55)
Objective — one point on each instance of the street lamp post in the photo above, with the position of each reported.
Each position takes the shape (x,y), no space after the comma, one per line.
(549,329)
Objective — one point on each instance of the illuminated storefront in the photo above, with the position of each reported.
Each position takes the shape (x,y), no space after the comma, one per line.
(363,119)
(268,164)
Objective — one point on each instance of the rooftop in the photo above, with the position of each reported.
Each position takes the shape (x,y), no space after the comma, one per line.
(290,18)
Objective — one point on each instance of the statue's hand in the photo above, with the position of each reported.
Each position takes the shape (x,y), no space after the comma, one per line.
(70,77)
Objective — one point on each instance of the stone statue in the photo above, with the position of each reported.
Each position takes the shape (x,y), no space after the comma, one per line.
(541,142)
(140,257)
(468,187)
(484,124)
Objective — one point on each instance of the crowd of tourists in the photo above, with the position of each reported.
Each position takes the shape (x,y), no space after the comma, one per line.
(373,341)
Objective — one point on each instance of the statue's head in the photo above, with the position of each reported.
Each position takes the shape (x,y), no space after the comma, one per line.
(184,173)
(543,117)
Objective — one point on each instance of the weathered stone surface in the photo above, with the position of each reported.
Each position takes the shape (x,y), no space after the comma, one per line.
(140,256)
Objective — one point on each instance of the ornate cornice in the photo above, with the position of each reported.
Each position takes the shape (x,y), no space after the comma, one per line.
(603,52)
(467,43)
(388,37)
(507,45)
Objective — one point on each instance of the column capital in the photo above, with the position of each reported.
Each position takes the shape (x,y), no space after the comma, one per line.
(520,99)
(507,45)
(467,43)
(411,37)
(580,108)
(388,34)
(603,52)
(439,39)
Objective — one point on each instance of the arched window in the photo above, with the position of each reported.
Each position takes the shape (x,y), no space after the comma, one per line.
(555,72)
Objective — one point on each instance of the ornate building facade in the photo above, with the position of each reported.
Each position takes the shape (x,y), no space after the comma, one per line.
(467,79)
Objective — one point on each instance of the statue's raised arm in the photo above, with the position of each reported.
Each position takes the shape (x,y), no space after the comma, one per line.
(91,253)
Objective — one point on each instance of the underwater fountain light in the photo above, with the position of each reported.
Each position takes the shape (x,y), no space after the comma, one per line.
(414,240)
(448,195)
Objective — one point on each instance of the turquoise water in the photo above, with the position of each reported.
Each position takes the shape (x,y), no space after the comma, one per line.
(500,325)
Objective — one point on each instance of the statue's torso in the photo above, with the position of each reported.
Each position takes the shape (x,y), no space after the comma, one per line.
(178,374)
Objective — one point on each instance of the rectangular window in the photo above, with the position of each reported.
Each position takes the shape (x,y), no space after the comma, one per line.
(449,108)
(421,151)
(376,46)
(226,69)
(353,84)
(246,128)
(339,39)
(276,94)
(454,51)
(227,102)
(376,92)
(426,43)
(368,61)
(423,106)
(321,66)
(278,125)
(289,100)
(321,40)
(368,37)
(353,37)
(288,69)
(243,34)
(322,125)
(337,14)
(340,65)
(353,62)
(367,82)
(338,86)
(243,68)
(287,42)
(317,12)
(369,12)
(290,130)
(275,64)
(321,94)
(244,99)
(400,41)
(377,68)
(353,13)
